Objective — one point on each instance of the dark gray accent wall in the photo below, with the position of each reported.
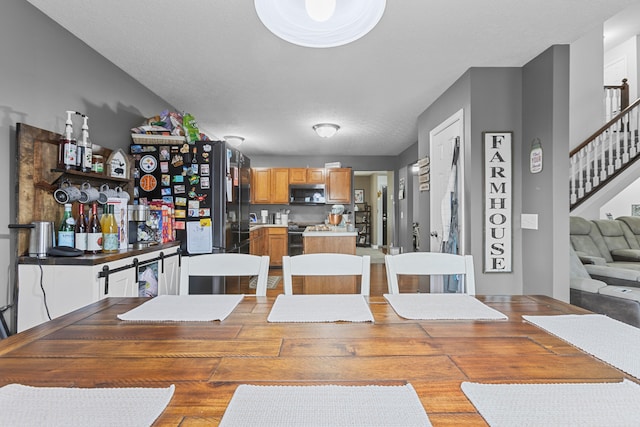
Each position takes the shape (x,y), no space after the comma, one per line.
(46,70)
(404,208)
(546,116)
(491,99)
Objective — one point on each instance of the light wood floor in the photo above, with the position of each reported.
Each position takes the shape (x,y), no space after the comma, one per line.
(378,283)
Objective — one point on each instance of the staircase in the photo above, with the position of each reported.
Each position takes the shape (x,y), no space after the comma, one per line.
(610,150)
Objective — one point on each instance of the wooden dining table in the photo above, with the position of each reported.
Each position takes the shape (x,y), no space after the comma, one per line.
(206,361)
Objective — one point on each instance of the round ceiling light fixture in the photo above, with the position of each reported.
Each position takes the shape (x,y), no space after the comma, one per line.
(320,23)
(234,140)
(326,130)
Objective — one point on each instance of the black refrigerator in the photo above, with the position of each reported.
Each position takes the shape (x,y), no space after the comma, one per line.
(208,183)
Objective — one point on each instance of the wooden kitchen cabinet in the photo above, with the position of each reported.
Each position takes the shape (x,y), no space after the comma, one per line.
(277,245)
(306,175)
(256,241)
(270,186)
(260,185)
(338,186)
(272,241)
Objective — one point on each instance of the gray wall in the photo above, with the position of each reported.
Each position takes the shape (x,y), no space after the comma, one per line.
(491,99)
(45,71)
(405,208)
(546,109)
(532,101)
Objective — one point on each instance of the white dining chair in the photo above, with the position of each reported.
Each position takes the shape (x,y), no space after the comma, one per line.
(429,263)
(225,265)
(322,264)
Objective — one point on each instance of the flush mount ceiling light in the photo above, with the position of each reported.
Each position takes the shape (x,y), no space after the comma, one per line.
(320,23)
(326,130)
(234,140)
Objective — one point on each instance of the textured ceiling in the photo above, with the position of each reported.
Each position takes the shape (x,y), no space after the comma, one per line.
(215,59)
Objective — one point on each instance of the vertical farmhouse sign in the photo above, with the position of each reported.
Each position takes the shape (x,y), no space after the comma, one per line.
(498,181)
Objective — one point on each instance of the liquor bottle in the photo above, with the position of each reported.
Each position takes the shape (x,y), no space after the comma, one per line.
(94,232)
(68,146)
(110,242)
(85,148)
(67,228)
(82,225)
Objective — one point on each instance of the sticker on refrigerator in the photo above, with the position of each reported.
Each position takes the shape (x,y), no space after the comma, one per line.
(204,212)
(204,170)
(204,183)
(179,189)
(148,163)
(165,191)
(178,178)
(165,180)
(164,167)
(181,201)
(180,225)
(165,153)
(148,183)
(180,213)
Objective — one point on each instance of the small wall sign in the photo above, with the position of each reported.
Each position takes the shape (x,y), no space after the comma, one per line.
(535,156)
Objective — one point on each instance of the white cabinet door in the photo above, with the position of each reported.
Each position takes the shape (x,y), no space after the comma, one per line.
(169,278)
(119,284)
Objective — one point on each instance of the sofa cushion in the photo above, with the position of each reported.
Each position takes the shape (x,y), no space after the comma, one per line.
(621,292)
(612,234)
(626,254)
(587,285)
(586,239)
(577,269)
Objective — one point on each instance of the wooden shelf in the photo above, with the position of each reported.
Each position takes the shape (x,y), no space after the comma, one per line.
(92,176)
(363,225)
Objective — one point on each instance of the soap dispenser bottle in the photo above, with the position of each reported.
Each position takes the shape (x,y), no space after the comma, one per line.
(85,148)
(67,148)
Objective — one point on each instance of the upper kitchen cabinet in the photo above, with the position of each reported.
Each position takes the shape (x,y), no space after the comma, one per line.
(338,186)
(306,176)
(270,186)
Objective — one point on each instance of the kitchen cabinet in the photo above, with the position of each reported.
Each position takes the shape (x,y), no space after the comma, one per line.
(270,186)
(257,241)
(306,176)
(329,242)
(72,283)
(277,245)
(269,240)
(338,186)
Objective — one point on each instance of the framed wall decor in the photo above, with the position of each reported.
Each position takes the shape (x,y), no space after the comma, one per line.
(498,188)
(358,196)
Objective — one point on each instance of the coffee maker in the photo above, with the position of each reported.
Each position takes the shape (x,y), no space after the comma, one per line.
(141,234)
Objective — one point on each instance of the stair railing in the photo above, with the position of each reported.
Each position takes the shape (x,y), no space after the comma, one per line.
(605,154)
(616,99)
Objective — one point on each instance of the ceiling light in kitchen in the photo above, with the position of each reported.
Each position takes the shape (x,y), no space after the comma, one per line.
(234,140)
(326,130)
(320,23)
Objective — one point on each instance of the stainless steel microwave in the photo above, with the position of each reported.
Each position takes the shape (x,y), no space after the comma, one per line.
(312,194)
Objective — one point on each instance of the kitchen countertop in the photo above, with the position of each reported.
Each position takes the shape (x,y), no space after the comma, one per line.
(259,225)
(330,232)
(97,258)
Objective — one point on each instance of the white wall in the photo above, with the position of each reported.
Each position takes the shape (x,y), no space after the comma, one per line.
(586,110)
(621,204)
(622,62)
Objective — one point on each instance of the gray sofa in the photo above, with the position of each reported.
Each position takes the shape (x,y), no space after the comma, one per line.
(604,277)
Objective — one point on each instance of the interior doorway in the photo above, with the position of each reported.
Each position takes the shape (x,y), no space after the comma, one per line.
(377,196)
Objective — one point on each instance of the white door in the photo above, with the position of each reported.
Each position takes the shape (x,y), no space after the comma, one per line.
(442,142)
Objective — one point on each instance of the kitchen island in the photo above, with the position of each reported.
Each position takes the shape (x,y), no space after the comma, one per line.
(329,239)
